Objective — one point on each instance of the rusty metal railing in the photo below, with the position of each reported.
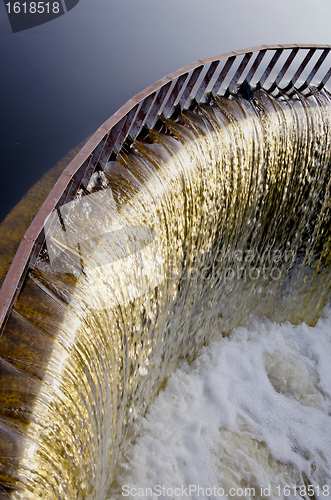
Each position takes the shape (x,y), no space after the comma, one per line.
(278,69)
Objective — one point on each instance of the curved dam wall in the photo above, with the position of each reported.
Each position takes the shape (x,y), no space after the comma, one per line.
(214,217)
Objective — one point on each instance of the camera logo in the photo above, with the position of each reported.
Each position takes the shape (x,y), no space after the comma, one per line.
(26,14)
(91,240)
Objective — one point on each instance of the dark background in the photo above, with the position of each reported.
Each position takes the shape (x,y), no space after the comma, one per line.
(61,80)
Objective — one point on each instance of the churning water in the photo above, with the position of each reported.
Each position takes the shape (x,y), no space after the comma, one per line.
(249,418)
(213,220)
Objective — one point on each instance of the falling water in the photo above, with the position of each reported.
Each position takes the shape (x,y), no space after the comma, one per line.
(215,218)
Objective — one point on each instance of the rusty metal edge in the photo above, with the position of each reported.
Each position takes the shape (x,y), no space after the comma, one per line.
(25,253)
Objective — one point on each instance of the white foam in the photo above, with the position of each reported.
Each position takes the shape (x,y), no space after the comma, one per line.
(252,410)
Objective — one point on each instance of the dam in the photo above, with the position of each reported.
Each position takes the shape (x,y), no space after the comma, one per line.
(202,204)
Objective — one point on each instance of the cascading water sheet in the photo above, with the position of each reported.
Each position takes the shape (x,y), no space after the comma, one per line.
(215,218)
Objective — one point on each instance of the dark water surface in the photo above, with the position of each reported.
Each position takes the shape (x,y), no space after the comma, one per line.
(61,80)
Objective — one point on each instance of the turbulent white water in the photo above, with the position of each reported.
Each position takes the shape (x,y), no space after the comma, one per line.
(249,418)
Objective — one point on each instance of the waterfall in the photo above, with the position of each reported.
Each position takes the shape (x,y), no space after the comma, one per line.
(216,217)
